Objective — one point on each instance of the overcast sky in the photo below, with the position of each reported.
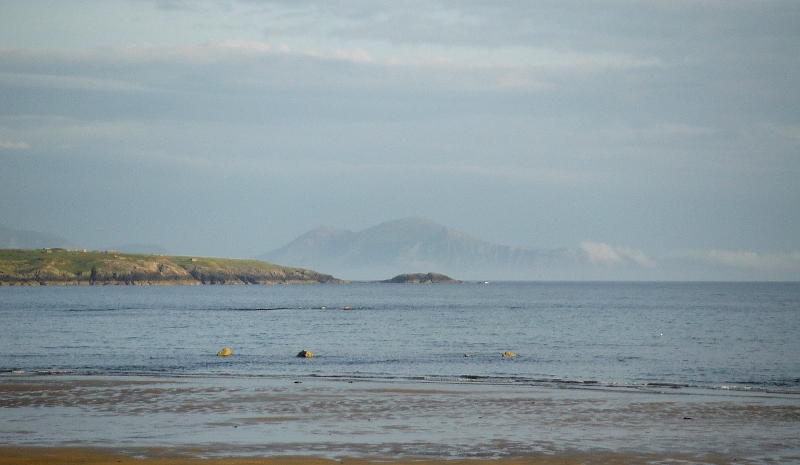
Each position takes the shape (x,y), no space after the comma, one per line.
(232,127)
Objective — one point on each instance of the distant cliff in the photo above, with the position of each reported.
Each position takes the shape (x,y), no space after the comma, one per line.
(63,267)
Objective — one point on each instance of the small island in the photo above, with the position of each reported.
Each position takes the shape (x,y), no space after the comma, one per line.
(69,267)
(421,278)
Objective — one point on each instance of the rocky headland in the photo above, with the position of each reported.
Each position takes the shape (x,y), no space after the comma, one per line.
(67,267)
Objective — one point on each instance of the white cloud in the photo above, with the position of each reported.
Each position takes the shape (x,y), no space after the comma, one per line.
(4,144)
(65,82)
(668,121)
(56,130)
(661,131)
(697,263)
(357,55)
(204,53)
(791,133)
(742,259)
(601,253)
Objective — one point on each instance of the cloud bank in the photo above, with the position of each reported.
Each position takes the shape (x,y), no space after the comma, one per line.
(229,128)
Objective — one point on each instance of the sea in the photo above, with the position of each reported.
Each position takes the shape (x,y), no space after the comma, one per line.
(443,370)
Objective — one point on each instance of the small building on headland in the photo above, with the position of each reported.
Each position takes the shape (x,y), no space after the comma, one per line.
(55,249)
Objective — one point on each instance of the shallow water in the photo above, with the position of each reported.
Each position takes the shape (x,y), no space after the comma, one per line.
(685,371)
(714,335)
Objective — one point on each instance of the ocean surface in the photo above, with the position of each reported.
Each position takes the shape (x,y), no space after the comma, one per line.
(622,359)
(742,336)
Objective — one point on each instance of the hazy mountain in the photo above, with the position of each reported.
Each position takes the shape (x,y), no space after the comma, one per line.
(419,245)
(18,239)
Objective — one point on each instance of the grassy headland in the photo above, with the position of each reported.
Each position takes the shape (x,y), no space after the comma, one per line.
(65,267)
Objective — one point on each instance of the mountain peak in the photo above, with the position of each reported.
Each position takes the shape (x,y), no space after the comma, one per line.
(394,247)
(325,231)
(418,226)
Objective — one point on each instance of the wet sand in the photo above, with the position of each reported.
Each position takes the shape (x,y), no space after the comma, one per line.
(65,456)
(94,420)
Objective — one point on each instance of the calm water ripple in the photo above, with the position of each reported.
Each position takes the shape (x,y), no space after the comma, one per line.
(733,336)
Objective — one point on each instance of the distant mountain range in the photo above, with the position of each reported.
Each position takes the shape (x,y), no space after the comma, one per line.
(420,244)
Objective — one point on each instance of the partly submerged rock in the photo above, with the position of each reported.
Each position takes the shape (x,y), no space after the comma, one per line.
(509,354)
(305,354)
(226,352)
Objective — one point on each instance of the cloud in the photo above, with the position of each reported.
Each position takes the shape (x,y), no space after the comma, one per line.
(741,259)
(13,145)
(185,67)
(790,133)
(605,254)
(599,252)
(648,123)
(357,55)
(66,82)
(691,264)
(205,53)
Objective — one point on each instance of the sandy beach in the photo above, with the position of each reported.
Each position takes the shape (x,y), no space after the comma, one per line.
(64,456)
(97,420)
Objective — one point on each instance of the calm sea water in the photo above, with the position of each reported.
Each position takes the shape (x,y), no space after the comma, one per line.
(732,336)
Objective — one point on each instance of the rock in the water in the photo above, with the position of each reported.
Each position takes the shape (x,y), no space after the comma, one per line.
(305,354)
(509,354)
(226,352)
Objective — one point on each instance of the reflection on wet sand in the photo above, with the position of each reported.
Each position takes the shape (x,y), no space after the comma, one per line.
(71,456)
(258,417)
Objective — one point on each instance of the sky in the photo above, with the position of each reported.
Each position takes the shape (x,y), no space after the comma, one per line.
(229,128)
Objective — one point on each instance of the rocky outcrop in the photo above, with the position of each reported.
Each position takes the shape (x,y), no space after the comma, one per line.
(226,352)
(421,278)
(305,354)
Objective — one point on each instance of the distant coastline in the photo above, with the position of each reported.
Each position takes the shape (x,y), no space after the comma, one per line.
(23,267)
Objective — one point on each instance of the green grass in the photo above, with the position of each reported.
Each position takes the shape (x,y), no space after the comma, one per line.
(28,266)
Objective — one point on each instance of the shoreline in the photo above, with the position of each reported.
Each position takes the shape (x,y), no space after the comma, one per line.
(238,421)
(111,456)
